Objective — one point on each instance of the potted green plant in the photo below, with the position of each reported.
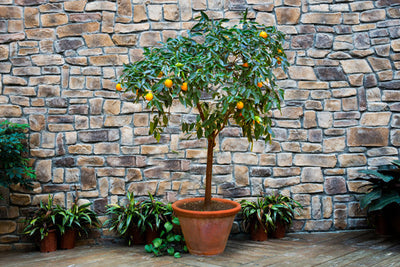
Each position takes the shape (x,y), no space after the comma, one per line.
(226,75)
(382,199)
(283,210)
(257,218)
(127,220)
(156,214)
(43,225)
(73,221)
(14,167)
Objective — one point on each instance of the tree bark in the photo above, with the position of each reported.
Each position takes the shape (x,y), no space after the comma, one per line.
(210,159)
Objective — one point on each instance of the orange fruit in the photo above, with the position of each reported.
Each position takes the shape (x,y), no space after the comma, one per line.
(149,96)
(279,51)
(168,83)
(160,74)
(184,87)
(118,87)
(263,34)
(246,65)
(260,84)
(239,105)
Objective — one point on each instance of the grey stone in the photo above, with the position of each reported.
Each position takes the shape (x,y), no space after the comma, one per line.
(330,74)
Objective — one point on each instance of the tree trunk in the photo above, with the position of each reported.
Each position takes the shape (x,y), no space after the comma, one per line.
(210,155)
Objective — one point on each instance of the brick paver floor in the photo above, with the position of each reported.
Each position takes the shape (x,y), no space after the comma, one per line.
(355,248)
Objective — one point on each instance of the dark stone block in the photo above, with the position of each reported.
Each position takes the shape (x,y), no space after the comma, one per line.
(124,161)
(362,136)
(362,99)
(236,192)
(330,74)
(93,136)
(370,81)
(60,119)
(88,178)
(172,164)
(335,185)
(57,102)
(302,41)
(99,205)
(361,40)
(343,29)
(68,44)
(198,169)
(55,188)
(260,171)
(64,162)
(394,84)
(29,2)
(324,40)
(378,33)
(306,29)
(79,109)
(21,61)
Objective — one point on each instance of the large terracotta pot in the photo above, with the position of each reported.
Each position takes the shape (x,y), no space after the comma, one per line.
(206,232)
(49,242)
(68,239)
(257,232)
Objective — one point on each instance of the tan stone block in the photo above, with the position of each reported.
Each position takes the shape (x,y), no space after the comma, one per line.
(7,227)
(43,170)
(266,19)
(171,12)
(287,15)
(11,12)
(325,119)
(245,158)
(281,182)
(241,175)
(46,60)
(358,187)
(321,18)
(375,119)
(139,13)
(352,160)
(379,64)
(196,153)
(149,39)
(315,160)
(58,175)
(154,149)
(101,6)
(302,73)
(289,113)
(80,149)
(20,199)
(307,188)
(51,20)
(234,144)
(362,136)
(112,107)
(108,22)
(31,17)
(119,121)
(373,15)
(336,144)
(37,122)
(141,120)
(106,148)
(143,188)
(109,60)
(311,175)
(355,66)
(133,175)
(98,40)
(284,172)
(76,6)
(117,186)
(90,161)
(267,159)
(125,39)
(77,29)
(285,159)
(10,111)
(309,119)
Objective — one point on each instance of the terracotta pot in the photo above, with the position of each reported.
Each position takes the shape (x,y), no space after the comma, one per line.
(136,236)
(151,234)
(49,242)
(279,231)
(68,239)
(206,232)
(258,232)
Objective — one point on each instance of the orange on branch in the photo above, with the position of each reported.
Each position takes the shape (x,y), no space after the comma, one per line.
(149,96)
(160,74)
(260,84)
(240,105)
(246,65)
(184,87)
(263,34)
(168,83)
(118,87)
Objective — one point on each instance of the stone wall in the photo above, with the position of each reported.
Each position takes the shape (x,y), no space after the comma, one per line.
(59,62)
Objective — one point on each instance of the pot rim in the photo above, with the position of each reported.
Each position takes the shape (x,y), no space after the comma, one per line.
(203,214)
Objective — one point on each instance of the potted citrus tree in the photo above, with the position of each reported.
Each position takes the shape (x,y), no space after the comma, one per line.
(226,75)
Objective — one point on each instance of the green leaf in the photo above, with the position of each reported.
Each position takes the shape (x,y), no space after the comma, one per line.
(168,226)
(157,242)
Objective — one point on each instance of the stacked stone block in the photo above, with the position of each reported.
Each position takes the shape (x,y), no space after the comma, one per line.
(59,62)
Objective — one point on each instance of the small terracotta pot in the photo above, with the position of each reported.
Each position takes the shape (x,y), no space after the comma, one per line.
(151,234)
(280,230)
(136,236)
(206,232)
(258,232)
(68,239)
(49,242)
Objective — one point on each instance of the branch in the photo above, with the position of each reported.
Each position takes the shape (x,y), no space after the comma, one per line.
(227,115)
(201,112)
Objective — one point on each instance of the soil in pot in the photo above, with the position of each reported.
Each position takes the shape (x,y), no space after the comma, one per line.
(205,232)
(68,239)
(49,242)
